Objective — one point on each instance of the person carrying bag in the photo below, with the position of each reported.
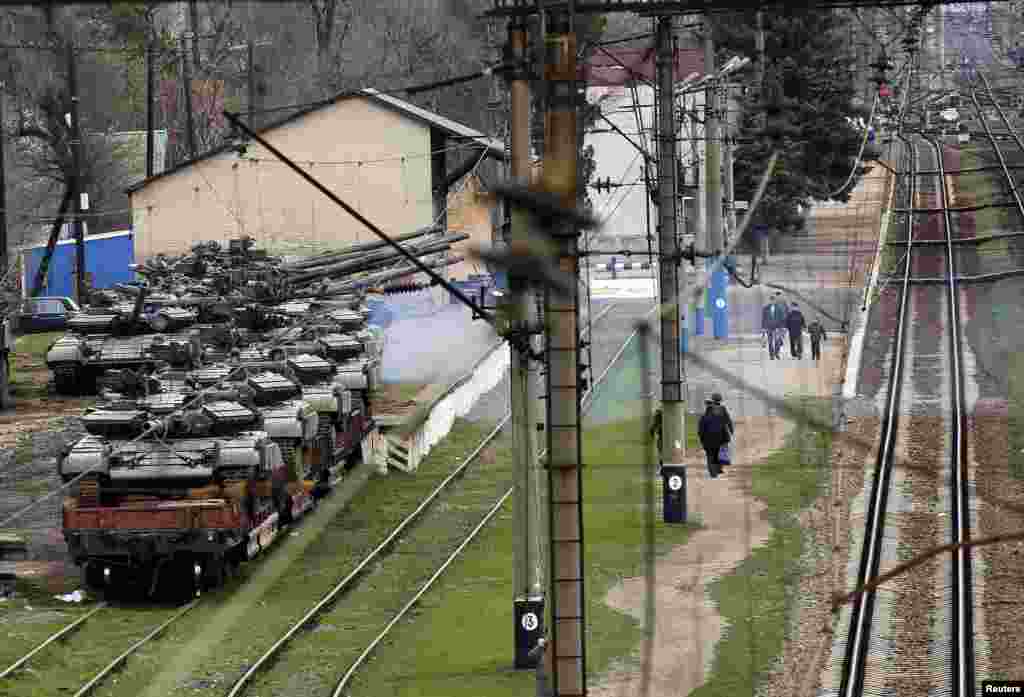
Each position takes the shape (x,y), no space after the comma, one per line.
(715,431)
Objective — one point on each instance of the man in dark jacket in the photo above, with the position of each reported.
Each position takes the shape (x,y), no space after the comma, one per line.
(795,324)
(714,430)
(773,319)
(817,334)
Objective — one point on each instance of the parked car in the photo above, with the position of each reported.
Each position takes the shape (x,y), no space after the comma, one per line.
(47,314)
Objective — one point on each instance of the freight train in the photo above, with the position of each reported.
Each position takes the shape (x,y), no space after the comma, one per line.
(159,491)
(227,410)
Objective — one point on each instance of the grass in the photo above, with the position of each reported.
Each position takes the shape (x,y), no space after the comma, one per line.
(431,658)
(29,376)
(210,647)
(758,598)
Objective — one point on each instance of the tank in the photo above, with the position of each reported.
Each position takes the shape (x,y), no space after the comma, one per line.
(233,393)
(77,361)
(143,511)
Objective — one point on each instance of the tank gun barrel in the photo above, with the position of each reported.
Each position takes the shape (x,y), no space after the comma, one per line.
(374,279)
(374,260)
(327,258)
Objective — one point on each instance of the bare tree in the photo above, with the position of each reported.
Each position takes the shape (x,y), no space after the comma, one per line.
(332,22)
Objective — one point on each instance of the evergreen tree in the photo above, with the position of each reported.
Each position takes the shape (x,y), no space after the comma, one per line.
(802,111)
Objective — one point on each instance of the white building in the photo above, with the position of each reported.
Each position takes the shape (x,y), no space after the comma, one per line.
(620,81)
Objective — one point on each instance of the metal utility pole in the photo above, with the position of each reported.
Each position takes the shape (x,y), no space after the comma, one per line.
(672,406)
(252,85)
(713,159)
(762,115)
(565,480)
(713,149)
(150,98)
(193,20)
(528,601)
(75,185)
(3,184)
(186,76)
(727,138)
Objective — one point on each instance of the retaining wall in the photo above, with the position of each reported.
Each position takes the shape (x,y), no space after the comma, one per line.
(406,452)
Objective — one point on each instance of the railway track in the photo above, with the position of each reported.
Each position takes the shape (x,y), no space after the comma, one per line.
(77,631)
(345,584)
(906,636)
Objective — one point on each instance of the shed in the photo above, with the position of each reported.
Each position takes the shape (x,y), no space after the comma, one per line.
(392,161)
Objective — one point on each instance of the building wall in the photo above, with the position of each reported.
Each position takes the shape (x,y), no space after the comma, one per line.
(623,209)
(375,159)
(469,213)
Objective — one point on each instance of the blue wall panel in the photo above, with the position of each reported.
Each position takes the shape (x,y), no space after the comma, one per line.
(107,258)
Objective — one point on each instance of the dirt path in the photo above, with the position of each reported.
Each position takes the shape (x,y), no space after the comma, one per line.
(688,624)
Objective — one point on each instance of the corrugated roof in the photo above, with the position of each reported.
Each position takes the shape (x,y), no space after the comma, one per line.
(495,147)
(609,67)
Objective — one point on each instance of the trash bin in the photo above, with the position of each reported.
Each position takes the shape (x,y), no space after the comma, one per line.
(673,486)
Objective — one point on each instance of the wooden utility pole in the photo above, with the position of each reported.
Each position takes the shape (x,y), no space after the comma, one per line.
(528,600)
(565,480)
(672,406)
(76,178)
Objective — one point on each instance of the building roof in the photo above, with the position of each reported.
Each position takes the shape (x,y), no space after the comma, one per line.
(453,129)
(612,67)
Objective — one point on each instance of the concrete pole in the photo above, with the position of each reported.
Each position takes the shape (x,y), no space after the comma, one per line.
(672,406)
(565,481)
(528,607)
(76,179)
(730,200)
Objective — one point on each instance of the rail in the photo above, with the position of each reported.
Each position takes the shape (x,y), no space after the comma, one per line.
(345,583)
(352,669)
(863,608)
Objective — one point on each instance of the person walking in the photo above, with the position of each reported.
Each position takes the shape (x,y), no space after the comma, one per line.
(795,323)
(773,318)
(817,334)
(542,655)
(715,429)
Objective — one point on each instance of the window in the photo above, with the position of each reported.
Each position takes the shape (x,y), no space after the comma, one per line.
(51,307)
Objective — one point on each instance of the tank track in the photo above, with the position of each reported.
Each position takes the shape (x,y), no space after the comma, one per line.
(289,453)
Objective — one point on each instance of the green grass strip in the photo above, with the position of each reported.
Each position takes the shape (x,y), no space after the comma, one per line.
(758,598)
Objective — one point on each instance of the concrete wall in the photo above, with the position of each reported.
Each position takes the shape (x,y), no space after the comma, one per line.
(375,159)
